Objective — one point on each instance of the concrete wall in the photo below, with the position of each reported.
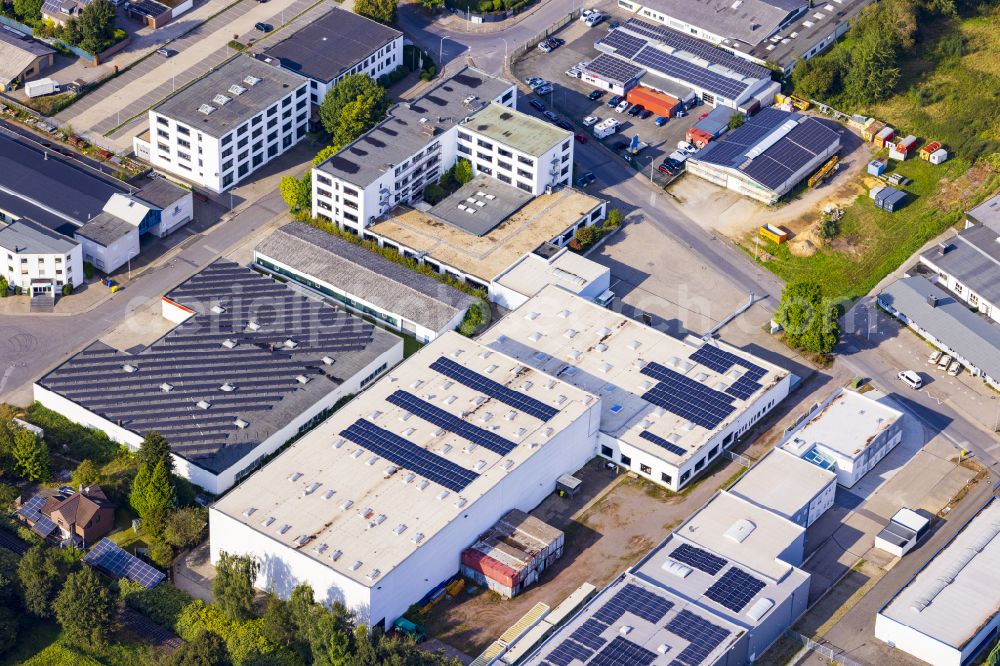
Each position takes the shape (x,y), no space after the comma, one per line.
(524,487)
(915,643)
(109,259)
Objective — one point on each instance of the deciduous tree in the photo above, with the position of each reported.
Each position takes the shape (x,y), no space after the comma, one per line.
(383,11)
(41,573)
(31,456)
(28,10)
(185,527)
(810,320)
(86,609)
(86,474)
(97,26)
(463,171)
(354,105)
(297,192)
(233,585)
(207,649)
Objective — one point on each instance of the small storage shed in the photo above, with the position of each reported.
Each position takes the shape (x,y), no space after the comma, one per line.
(938,156)
(884,136)
(874,127)
(928,149)
(877,166)
(890,199)
(903,148)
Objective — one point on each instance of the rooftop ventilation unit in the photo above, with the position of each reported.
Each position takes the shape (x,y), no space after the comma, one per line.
(301,540)
(253,325)
(221,100)
(311,488)
(267,522)
(230,343)
(346,504)
(290,344)
(227,387)
(320,549)
(335,555)
(417,538)
(218,309)
(373,574)
(204,404)
(302,379)
(166,388)
(250,511)
(237,89)
(328,494)
(251,80)
(355,566)
(284,528)
(295,476)
(240,423)
(128,367)
(206,109)
(443,494)
(327,360)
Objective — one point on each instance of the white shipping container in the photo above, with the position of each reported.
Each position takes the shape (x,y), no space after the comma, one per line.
(40,87)
(938,156)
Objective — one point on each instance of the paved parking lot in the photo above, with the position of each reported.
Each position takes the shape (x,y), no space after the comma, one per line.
(569,98)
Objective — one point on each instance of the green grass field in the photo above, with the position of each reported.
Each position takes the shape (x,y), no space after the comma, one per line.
(948,92)
(872,242)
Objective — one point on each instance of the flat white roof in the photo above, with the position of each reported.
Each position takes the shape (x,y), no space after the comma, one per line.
(958,591)
(783,483)
(843,425)
(609,354)
(742,532)
(341,498)
(567,269)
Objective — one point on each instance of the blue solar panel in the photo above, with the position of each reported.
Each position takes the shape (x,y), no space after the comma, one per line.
(669,65)
(721,361)
(633,599)
(730,150)
(702,637)
(735,589)
(698,48)
(117,563)
(508,396)
(610,68)
(408,455)
(566,652)
(624,44)
(813,136)
(451,423)
(623,652)
(43,527)
(659,441)
(589,634)
(698,558)
(32,509)
(686,397)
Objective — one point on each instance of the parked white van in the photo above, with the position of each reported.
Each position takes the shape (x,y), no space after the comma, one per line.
(911,379)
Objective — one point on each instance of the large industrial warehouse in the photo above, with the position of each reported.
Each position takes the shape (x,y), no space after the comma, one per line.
(249,364)
(374,507)
(669,407)
(768,155)
(947,613)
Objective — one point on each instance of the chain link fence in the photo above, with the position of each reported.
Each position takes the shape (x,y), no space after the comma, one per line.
(830,654)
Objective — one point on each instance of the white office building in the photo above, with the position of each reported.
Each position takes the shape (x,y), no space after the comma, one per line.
(470,115)
(38,260)
(338,44)
(848,433)
(551,264)
(670,407)
(789,486)
(374,507)
(946,615)
(228,124)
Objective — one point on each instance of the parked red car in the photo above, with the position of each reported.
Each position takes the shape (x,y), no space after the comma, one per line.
(581,138)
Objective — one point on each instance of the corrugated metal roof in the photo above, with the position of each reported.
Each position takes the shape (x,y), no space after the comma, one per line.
(950,321)
(973,258)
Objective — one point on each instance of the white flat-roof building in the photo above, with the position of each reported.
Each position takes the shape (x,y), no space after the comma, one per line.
(849,432)
(788,486)
(948,612)
(549,264)
(228,124)
(720,589)
(374,507)
(669,406)
(38,260)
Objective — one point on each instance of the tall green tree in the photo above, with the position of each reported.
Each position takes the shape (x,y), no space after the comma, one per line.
(297,192)
(87,473)
(153,449)
(86,610)
(463,171)
(140,491)
(41,573)
(383,11)
(352,107)
(810,320)
(233,585)
(31,456)
(185,527)
(207,649)
(873,72)
(28,10)
(160,493)
(97,26)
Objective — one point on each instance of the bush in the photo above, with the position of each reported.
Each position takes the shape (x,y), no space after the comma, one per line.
(237,46)
(428,73)
(476,318)
(161,553)
(244,639)
(395,76)
(434,193)
(613,219)
(77,441)
(164,604)
(4,287)
(67,289)
(88,270)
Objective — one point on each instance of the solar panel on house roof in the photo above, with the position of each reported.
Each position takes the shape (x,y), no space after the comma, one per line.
(702,637)
(613,69)
(43,527)
(636,600)
(669,65)
(735,589)
(32,509)
(623,43)
(408,455)
(493,389)
(117,563)
(451,423)
(698,558)
(659,441)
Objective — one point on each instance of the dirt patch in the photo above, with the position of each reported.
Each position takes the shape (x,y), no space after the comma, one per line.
(959,192)
(805,243)
(611,523)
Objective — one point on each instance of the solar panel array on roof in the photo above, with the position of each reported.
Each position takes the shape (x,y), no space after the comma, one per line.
(623,652)
(698,558)
(408,455)
(32,509)
(735,589)
(731,149)
(451,423)
(699,48)
(43,527)
(660,441)
(686,397)
(622,43)
(636,600)
(721,361)
(613,69)
(493,389)
(669,65)
(702,637)
(117,563)
(160,387)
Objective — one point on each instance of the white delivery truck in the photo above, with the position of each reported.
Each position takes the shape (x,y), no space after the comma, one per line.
(605,128)
(40,87)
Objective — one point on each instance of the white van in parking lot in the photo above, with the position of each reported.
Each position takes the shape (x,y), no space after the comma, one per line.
(911,379)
